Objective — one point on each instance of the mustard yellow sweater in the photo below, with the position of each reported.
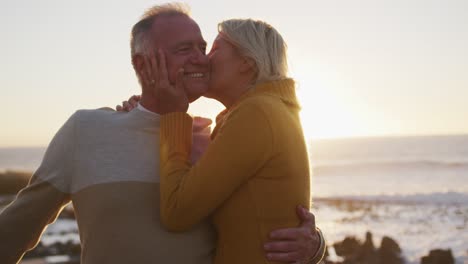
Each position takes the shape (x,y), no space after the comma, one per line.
(250,179)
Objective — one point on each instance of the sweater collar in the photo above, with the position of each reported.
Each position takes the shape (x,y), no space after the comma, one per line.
(283,89)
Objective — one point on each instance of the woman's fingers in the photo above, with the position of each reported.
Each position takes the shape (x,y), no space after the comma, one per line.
(155,78)
(147,71)
(154,68)
(144,73)
(133,101)
(179,85)
(164,78)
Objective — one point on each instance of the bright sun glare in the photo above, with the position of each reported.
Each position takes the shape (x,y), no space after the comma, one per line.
(322,115)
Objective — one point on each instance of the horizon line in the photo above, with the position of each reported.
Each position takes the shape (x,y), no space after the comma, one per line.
(381,136)
(455,134)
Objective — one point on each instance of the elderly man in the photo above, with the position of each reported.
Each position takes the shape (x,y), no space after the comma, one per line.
(106,164)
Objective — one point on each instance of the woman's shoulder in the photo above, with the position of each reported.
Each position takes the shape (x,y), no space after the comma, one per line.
(263,99)
(264,102)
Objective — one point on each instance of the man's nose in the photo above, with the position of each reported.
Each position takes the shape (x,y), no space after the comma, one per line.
(199,57)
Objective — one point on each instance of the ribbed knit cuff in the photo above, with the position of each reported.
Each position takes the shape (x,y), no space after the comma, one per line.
(176,131)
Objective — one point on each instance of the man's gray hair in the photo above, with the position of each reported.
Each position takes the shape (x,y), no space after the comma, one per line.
(260,42)
(141,40)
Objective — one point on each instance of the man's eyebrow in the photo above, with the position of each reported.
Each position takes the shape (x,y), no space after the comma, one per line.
(187,43)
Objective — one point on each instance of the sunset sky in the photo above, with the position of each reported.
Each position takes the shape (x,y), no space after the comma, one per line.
(363,67)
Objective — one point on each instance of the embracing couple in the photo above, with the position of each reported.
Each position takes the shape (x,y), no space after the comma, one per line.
(149,185)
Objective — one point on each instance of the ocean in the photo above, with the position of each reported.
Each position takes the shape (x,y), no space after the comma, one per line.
(412,189)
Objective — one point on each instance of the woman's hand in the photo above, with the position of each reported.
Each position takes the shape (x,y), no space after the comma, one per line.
(170,98)
(127,106)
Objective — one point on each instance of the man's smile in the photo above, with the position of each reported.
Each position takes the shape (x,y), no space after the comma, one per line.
(195,74)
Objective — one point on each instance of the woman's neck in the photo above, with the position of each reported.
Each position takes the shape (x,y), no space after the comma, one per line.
(232,95)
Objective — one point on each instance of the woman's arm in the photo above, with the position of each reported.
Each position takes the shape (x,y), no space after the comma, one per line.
(189,194)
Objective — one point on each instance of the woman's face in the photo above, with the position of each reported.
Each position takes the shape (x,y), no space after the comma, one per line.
(225,63)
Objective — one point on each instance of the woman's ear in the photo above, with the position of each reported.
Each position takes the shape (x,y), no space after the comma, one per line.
(247,64)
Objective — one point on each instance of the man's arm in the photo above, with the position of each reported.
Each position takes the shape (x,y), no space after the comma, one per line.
(23,221)
(38,204)
(304,244)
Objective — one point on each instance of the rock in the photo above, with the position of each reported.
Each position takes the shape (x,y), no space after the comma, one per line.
(367,254)
(390,246)
(70,249)
(347,248)
(355,252)
(13,181)
(390,252)
(67,213)
(438,256)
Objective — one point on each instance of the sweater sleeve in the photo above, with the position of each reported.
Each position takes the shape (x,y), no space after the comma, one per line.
(189,194)
(38,204)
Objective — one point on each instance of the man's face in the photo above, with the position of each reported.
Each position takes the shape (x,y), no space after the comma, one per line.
(182,42)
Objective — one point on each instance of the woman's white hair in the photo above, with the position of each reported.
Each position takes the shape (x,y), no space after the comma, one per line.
(140,40)
(260,42)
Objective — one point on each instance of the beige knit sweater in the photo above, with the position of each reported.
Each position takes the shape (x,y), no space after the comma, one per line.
(106,163)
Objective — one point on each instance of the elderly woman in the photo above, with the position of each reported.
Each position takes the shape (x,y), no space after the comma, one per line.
(256,169)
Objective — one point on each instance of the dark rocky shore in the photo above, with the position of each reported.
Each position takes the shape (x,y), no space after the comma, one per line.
(13,181)
(353,251)
(348,251)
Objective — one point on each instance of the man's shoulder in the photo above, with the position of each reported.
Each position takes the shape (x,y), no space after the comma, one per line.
(93,114)
(104,119)
(92,118)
